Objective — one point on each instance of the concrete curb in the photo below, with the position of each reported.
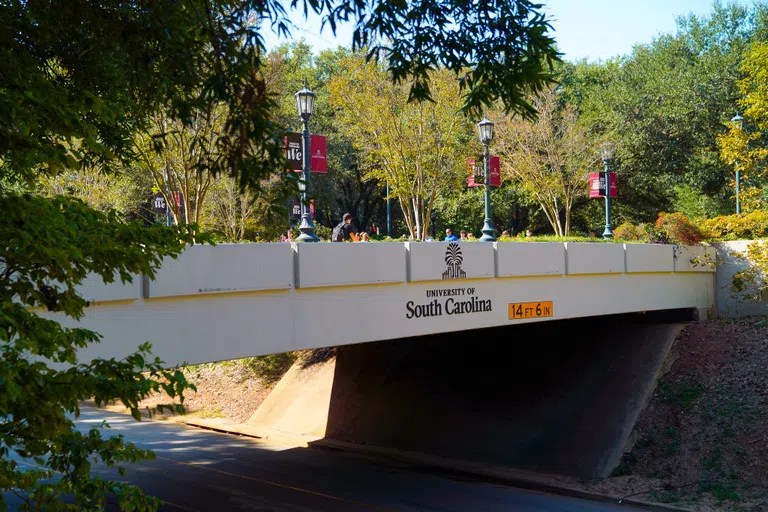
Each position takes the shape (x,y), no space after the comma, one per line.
(244,429)
(551,484)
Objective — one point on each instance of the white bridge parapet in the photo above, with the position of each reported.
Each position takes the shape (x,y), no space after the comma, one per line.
(239,300)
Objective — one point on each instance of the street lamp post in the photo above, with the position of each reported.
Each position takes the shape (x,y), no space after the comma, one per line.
(738,122)
(168,195)
(485,131)
(305,100)
(389,214)
(606,152)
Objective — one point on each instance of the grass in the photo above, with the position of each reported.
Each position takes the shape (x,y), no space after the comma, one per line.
(537,238)
(721,491)
(714,459)
(560,239)
(666,496)
(682,393)
(673,445)
(270,368)
(209,413)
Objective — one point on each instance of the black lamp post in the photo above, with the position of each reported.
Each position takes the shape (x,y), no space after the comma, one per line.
(738,123)
(485,131)
(305,100)
(606,152)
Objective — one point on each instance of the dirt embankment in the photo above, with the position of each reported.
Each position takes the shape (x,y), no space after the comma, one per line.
(229,390)
(702,441)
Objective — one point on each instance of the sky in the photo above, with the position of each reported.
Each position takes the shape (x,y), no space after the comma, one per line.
(591,29)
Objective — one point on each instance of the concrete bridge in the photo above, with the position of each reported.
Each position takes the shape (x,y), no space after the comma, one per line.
(231,301)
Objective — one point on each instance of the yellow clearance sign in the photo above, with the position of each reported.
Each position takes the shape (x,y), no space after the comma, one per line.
(522,310)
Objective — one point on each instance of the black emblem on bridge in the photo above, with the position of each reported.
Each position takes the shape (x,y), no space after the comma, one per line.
(453,259)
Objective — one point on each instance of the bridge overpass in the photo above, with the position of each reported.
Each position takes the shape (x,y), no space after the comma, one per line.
(239,300)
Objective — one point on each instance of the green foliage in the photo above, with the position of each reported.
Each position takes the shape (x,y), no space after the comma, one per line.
(690,201)
(500,51)
(273,366)
(415,147)
(345,188)
(49,246)
(753,281)
(746,226)
(669,228)
(323,232)
(550,158)
(684,394)
(722,491)
(83,77)
(665,104)
(557,239)
(80,80)
(124,191)
(629,232)
(461,208)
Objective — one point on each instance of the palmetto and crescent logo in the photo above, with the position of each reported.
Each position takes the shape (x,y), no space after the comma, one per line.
(454,259)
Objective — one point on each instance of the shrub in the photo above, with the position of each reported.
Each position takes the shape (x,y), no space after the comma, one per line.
(655,234)
(732,227)
(753,281)
(272,367)
(323,232)
(678,229)
(629,232)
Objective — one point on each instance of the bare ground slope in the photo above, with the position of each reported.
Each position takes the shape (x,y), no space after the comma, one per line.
(702,441)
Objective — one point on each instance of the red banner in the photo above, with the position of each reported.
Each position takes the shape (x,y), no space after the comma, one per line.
(495,173)
(471,179)
(317,162)
(597,185)
(317,152)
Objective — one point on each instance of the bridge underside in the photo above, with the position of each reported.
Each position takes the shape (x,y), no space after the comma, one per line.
(560,397)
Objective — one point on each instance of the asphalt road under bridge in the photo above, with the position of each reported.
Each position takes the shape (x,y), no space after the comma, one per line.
(199,470)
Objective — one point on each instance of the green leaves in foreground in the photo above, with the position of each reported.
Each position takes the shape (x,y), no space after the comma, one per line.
(48,247)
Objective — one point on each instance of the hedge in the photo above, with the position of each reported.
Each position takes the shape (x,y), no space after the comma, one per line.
(745,226)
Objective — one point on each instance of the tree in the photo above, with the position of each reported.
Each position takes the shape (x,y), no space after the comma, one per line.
(237,215)
(745,148)
(103,191)
(81,79)
(176,155)
(229,211)
(461,208)
(664,106)
(62,241)
(551,157)
(343,188)
(414,146)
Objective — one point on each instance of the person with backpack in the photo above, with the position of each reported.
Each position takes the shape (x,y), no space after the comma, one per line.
(345,230)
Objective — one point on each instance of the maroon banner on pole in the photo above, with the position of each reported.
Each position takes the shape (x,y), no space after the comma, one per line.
(317,152)
(317,162)
(597,185)
(472,173)
(473,180)
(495,171)
(594,185)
